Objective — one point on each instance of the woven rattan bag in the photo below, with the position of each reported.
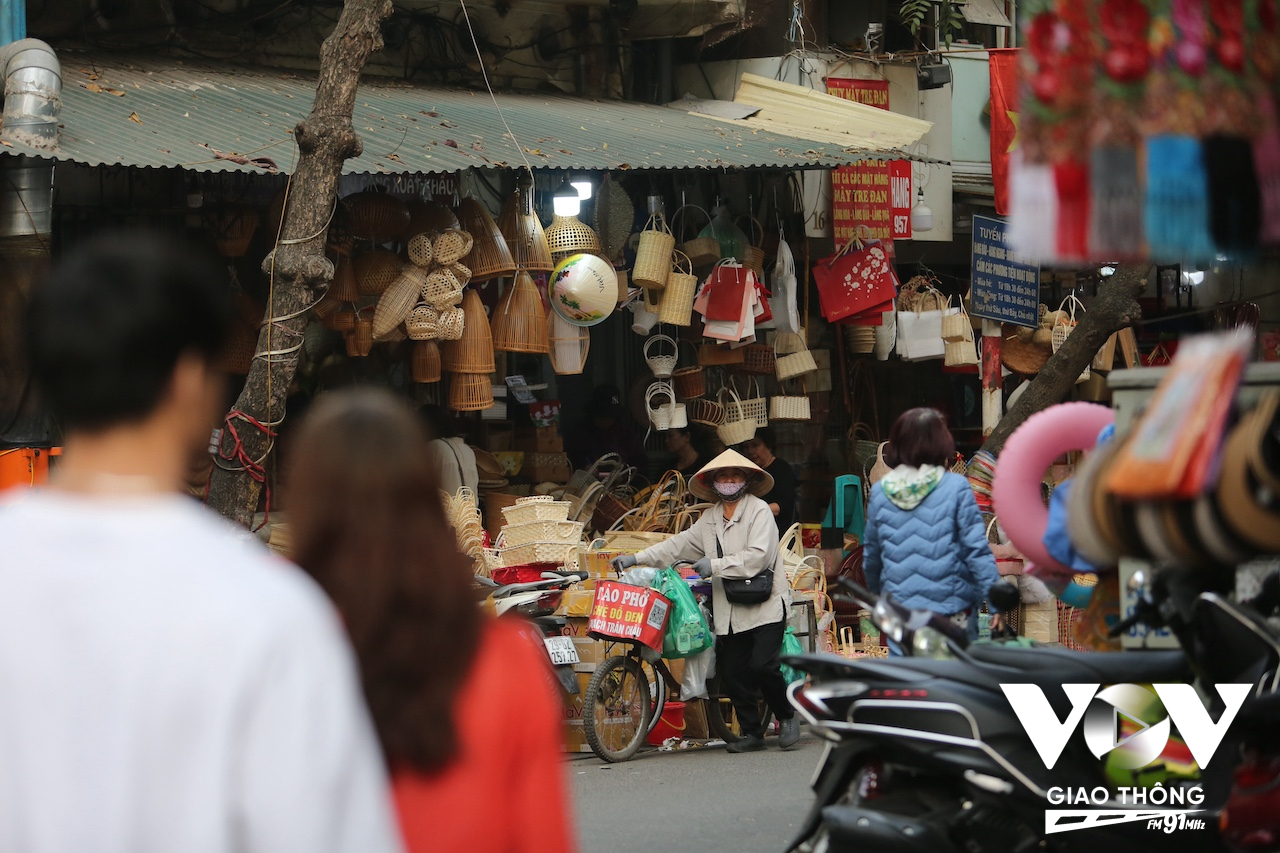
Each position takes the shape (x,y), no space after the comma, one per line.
(789,406)
(676,305)
(736,427)
(755,404)
(793,357)
(661,363)
(653,255)
(701,251)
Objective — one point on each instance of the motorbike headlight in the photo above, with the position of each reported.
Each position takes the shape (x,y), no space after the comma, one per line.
(930,643)
(888,620)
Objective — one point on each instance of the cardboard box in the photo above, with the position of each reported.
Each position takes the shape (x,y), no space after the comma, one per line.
(596,563)
(695,720)
(539,439)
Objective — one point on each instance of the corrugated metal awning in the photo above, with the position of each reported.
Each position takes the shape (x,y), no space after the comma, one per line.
(204,117)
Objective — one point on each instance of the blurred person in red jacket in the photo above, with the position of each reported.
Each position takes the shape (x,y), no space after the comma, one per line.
(367,522)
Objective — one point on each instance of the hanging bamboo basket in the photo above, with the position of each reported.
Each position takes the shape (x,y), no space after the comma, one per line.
(569,346)
(653,255)
(523,232)
(362,335)
(425,364)
(441,288)
(427,216)
(473,352)
(233,229)
(701,251)
(423,323)
(420,250)
(452,324)
(490,256)
(568,235)
(470,392)
(519,323)
(397,301)
(376,216)
(345,286)
(676,305)
(452,246)
(375,270)
(753,255)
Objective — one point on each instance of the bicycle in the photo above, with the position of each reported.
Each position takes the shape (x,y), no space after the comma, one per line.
(627,694)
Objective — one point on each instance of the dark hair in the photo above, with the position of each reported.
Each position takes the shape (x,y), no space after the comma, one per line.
(768,437)
(363,497)
(436,420)
(106,329)
(920,437)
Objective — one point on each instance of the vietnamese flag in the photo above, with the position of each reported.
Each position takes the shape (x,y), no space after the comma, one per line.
(1003,66)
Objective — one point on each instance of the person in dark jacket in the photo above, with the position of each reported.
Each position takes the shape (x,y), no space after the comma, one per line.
(782,498)
(925,543)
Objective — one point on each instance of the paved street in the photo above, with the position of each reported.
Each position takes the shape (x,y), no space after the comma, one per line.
(706,801)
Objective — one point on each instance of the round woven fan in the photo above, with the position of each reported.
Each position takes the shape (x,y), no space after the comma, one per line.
(615,217)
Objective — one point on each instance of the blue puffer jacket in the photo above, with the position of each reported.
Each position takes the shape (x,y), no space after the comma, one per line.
(933,557)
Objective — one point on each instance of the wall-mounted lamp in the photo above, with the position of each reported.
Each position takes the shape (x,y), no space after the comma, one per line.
(933,76)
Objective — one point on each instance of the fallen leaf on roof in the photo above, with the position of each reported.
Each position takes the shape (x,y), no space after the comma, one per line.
(606,146)
(394,156)
(6,143)
(430,113)
(537,151)
(447,123)
(134,117)
(243,160)
(451,143)
(477,146)
(93,87)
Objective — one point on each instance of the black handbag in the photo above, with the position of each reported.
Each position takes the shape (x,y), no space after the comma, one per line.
(753,590)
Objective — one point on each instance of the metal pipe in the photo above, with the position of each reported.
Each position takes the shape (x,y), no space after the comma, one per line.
(32,103)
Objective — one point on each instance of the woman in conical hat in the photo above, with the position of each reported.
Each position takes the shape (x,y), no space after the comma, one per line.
(734,541)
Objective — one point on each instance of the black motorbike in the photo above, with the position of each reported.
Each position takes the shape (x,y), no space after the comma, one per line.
(925,752)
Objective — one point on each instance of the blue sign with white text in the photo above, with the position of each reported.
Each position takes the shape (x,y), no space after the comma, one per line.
(1003,287)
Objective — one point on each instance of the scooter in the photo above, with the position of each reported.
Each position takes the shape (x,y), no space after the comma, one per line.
(926,752)
(538,602)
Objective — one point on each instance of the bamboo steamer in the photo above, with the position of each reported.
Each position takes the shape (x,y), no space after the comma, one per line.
(397,301)
(524,235)
(425,362)
(490,257)
(473,352)
(470,392)
(375,270)
(519,323)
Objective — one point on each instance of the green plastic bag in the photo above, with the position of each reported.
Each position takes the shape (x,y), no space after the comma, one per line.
(791,646)
(687,630)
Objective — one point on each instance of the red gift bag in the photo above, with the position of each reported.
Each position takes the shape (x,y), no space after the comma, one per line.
(855,279)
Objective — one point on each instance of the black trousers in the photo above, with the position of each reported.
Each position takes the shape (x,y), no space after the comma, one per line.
(748,666)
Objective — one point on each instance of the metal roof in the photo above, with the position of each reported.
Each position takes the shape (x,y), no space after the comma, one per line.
(210,118)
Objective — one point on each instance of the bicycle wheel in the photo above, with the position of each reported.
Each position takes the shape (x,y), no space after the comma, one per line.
(721,718)
(615,712)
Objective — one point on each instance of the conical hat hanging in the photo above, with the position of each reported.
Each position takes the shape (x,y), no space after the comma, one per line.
(700,483)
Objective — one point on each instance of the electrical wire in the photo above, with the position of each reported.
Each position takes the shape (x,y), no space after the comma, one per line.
(493,97)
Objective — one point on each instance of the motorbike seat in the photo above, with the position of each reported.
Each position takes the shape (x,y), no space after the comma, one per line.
(1042,665)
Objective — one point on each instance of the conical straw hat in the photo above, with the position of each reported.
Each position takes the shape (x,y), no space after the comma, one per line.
(701,486)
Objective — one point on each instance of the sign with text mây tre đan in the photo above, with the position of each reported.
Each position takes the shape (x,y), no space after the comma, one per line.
(1004,288)
(874,193)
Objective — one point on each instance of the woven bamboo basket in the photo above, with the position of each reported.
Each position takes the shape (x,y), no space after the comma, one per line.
(753,255)
(376,216)
(568,235)
(790,407)
(490,256)
(736,427)
(345,286)
(324,307)
(523,232)
(689,382)
(473,352)
(653,255)
(452,324)
(470,392)
(362,336)
(423,323)
(375,270)
(757,358)
(755,404)
(536,508)
(343,320)
(569,346)
(452,246)
(461,272)
(541,531)
(397,301)
(704,411)
(519,323)
(352,345)
(420,250)
(860,339)
(661,363)
(793,358)
(701,251)
(441,288)
(676,305)
(427,216)
(233,229)
(624,289)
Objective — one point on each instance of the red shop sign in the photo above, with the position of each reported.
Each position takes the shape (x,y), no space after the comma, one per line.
(874,193)
(623,612)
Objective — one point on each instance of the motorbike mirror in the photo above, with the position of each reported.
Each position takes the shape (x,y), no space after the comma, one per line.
(1004,596)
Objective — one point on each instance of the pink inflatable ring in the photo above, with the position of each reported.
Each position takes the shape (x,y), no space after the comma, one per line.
(1015,491)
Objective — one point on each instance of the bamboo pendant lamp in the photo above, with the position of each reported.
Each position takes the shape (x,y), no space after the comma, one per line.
(569,235)
(490,257)
(427,216)
(523,231)
(425,364)
(470,392)
(473,352)
(519,323)
(569,346)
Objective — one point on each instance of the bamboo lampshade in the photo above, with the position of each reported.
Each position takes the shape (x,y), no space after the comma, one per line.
(568,235)
(490,257)
(470,392)
(345,287)
(524,235)
(569,346)
(473,352)
(375,270)
(427,216)
(376,216)
(519,323)
(425,363)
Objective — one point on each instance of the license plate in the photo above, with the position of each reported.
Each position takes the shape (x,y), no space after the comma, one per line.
(562,650)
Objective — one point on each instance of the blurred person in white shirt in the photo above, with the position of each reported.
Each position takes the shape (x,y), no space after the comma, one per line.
(164,685)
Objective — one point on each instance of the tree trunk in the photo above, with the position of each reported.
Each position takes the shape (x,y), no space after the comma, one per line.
(1115,308)
(298,268)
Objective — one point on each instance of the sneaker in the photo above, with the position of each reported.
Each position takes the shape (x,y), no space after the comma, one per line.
(789,734)
(750,743)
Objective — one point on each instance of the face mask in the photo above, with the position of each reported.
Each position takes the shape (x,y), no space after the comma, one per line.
(731,491)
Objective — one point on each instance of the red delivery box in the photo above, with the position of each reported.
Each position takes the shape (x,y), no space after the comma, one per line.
(624,612)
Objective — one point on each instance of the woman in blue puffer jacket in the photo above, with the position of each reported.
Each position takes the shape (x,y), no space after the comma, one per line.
(925,542)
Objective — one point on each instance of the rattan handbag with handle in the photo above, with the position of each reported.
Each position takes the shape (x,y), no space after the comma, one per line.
(790,406)
(702,251)
(653,255)
(665,415)
(660,363)
(755,404)
(793,357)
(736,427)
(689,382)
(676,305)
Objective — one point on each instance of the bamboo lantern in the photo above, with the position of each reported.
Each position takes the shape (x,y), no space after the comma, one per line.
(345,287)
(569,346)
(473,352)
(376,216)
(519,323)
(490,257)
(568,235)
(523,231)
(425,364)
(470,392)
(427,216)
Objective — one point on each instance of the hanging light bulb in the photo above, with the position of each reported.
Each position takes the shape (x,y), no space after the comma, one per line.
(582,183)
(921,215)
(566,201)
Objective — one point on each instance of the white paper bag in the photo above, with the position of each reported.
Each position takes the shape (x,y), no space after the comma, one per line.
(920,335)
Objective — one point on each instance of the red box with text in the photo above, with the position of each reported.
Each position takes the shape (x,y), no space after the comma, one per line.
(624,612)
